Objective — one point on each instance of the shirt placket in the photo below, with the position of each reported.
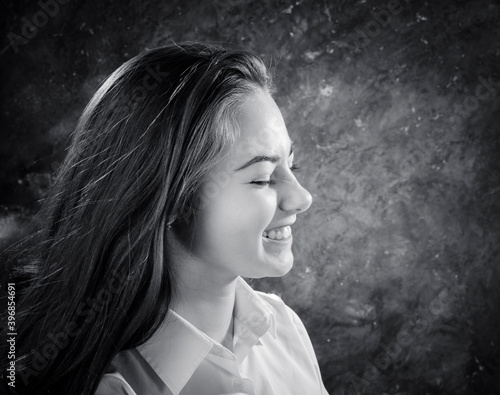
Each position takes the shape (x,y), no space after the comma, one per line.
(227,361)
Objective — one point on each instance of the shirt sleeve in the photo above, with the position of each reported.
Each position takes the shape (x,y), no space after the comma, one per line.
(114,384)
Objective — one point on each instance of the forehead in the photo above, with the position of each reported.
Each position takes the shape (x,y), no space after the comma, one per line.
(261,126)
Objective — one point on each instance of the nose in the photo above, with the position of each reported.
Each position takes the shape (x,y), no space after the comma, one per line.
(294,197)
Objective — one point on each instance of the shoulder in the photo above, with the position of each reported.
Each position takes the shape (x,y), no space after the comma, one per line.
(285,323)
(292,335)
(114,384)
(282,312)
(129,373)
(288,325)
(271,299)
(274,302)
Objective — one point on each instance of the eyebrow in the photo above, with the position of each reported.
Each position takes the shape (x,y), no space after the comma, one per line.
(264,158)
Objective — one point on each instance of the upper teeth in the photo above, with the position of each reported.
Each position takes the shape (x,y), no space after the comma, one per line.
(278,234)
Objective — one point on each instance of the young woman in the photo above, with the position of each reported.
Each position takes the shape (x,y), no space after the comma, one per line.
(178,182)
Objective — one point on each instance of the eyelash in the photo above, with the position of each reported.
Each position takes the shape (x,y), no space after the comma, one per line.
(272,182)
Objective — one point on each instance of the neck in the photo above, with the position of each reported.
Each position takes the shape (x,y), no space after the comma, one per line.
(204,298)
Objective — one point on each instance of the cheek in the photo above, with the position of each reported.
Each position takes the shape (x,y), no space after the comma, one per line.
(247,212)
(235,218)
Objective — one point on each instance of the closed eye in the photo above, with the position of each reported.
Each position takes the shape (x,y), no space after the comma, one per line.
(263,183)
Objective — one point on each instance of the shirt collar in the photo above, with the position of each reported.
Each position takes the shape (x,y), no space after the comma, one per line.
(177,349)
(253,311)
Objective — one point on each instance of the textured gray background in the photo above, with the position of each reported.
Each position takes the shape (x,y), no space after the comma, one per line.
(396,274)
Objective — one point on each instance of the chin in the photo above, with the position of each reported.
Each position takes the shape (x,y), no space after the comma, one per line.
(280,273)
(276,267)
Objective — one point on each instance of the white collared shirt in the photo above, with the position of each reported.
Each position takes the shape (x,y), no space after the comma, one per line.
(272,355)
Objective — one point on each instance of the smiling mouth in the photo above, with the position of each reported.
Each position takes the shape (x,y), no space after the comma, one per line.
(282,233)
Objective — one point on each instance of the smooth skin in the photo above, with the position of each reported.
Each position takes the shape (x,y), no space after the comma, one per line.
(253,190)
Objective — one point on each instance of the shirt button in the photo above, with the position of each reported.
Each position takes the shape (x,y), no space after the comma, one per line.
(239,385)
(244,333)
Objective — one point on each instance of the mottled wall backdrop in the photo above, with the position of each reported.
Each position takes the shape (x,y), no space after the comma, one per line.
(394,107)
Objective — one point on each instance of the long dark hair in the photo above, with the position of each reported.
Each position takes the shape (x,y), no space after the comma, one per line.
(99,281)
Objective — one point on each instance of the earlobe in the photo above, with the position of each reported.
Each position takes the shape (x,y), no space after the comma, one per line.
(175,241)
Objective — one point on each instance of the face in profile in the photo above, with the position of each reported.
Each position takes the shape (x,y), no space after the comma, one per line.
(250,202)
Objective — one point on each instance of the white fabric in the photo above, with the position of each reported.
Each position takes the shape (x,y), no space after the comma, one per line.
(272,356)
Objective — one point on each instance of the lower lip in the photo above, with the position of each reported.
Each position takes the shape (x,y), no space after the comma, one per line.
(281,242)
